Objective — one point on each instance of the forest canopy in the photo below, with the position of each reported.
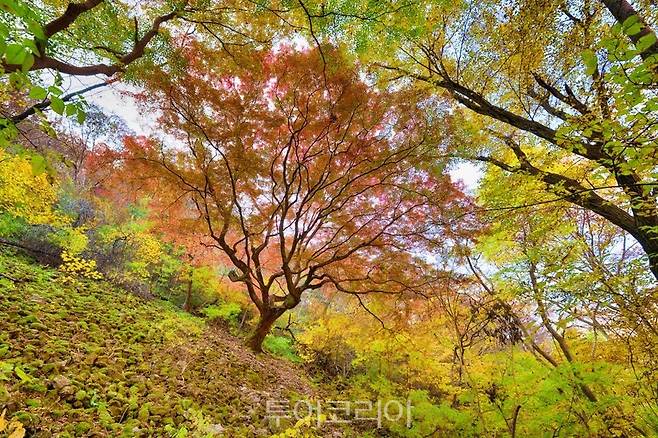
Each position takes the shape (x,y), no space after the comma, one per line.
(452,203)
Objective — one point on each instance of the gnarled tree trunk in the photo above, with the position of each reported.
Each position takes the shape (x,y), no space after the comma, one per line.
(265,322)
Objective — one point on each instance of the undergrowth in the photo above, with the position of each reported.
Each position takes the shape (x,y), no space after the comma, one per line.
(89,359)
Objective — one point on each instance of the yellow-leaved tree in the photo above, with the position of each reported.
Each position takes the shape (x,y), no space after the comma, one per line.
(26,191)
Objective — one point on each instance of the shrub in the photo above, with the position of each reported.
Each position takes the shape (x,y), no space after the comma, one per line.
(431,418)
(26,190)
(11,226)
(282,347)
(227,313)
(74,266)
(327,346)
(303,428)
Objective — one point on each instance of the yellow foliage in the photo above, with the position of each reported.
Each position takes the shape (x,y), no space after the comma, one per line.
(25,194)
(74,266)
(302,428)
(388,352)
(74,240)
(146,249)
(13,428)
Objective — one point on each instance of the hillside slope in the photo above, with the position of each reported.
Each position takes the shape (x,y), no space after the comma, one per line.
(88,359)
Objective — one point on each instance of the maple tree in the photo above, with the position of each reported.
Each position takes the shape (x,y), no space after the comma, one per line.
(292,185)
(303,176)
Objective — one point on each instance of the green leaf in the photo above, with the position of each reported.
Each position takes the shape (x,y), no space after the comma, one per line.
(634,29)
(10,6)
(38,93)
(82,116)
(4,31)
(70,109)
(57,105)
(645,42)
(590,60)
(31,45)
(28,62)
(630,21)
(38,164)
(15,54)
(22,374)
(55,90)
(36,29)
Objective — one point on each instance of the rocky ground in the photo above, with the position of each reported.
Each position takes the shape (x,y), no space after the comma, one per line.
(88,359)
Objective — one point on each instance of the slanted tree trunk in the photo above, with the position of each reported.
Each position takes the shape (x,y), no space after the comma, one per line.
(641,224)
(267,319)
(649,243)
(187,305)
(557,337)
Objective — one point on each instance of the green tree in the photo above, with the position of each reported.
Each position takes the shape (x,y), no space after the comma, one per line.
(572,79)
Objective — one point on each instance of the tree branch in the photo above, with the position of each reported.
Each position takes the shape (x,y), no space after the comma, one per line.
(46,103)
(43,61)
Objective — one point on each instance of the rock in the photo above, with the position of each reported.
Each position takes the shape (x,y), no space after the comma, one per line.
(143,414)
(60,382)
(26,418)
(67,392)
(215,429)
(30,319)
(57,413)
(105,417)
(4,395)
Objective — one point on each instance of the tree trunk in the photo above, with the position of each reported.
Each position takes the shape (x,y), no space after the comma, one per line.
(641,224)
(653,264)
(622,10)
(557,337)
(649,243)
(265,324)
(187,306)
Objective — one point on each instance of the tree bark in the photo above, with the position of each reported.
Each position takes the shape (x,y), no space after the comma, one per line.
(559,339)
(265,323)
(187,306)
(641,224)
(649,242)
(73,10)
(43,61)
(622,11)
(644,218)
(46,103)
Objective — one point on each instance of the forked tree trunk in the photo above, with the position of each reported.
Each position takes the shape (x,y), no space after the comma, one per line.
(265,323)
